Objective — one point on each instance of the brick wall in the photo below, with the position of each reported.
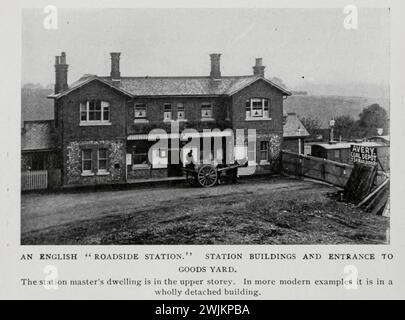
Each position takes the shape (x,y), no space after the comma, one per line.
(69,113)
(116,156)
(259,89)
(192,107)
(227,112)
(291,144)
(266,130)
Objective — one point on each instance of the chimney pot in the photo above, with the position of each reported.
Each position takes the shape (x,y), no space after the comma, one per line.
(258,69)
(215,66)
(63,58)
(115,65)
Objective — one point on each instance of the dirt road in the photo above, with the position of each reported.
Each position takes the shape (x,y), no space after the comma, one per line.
(278,210)
(41,211)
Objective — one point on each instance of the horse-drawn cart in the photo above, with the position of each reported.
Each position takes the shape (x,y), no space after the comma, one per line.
(208,175)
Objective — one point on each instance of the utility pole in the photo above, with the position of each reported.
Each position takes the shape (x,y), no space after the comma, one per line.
(331,124)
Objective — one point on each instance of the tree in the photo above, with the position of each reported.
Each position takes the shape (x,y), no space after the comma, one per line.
(371,118)
(311,124)
(345,127)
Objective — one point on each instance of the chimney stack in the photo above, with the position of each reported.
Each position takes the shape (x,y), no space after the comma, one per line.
(61,70)
(258,69)
(215,66)
(115,66)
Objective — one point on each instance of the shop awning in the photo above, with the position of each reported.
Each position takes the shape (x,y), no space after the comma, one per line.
(153,136)
(182,136)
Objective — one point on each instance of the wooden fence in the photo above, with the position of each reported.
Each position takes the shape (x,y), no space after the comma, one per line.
(34,180)
(333,172)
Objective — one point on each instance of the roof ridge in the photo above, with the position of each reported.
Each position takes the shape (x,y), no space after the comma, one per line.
(173,85)
(177,77)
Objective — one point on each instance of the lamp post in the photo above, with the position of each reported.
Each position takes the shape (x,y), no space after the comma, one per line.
(332,125)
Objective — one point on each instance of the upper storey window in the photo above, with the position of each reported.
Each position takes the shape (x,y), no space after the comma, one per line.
(94,112)
(257,108)
(180,111)
(206,111)
(167,114)
(140,111)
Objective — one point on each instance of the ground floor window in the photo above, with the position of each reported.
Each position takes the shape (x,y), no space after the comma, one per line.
(86,161)
(94,159)
(139,153)
(102,160)
(264,150)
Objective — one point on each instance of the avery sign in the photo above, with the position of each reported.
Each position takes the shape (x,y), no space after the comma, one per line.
(363,154)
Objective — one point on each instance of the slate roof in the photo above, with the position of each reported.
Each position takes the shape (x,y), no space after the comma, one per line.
(174,86)
(37,136)
(293,127)
(35,106)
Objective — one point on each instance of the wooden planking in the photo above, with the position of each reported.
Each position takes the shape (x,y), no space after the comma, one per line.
(360,182)
(34,180)
(329,171)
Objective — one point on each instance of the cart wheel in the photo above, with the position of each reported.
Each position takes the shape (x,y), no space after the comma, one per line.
(207,176)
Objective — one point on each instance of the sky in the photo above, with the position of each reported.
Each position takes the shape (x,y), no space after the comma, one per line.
(303,47)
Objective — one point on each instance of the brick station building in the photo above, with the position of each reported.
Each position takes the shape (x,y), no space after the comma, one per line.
(102,122)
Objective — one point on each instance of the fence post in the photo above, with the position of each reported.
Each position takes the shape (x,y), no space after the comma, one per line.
(323,170)
(299,167)
(302,166)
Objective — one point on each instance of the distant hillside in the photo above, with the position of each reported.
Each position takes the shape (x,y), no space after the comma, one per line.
(36,106)
(326,108)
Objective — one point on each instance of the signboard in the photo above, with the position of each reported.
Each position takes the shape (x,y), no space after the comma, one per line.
(129,159)
(363,154)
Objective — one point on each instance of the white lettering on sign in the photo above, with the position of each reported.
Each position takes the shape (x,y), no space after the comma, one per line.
(363,154)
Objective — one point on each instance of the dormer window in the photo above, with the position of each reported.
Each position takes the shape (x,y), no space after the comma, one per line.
(257,108)
(94,112)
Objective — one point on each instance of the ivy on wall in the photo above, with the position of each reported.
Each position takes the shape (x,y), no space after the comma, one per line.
(275,151)
(275,146)
(116,154)
(73,165)
(117,159)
